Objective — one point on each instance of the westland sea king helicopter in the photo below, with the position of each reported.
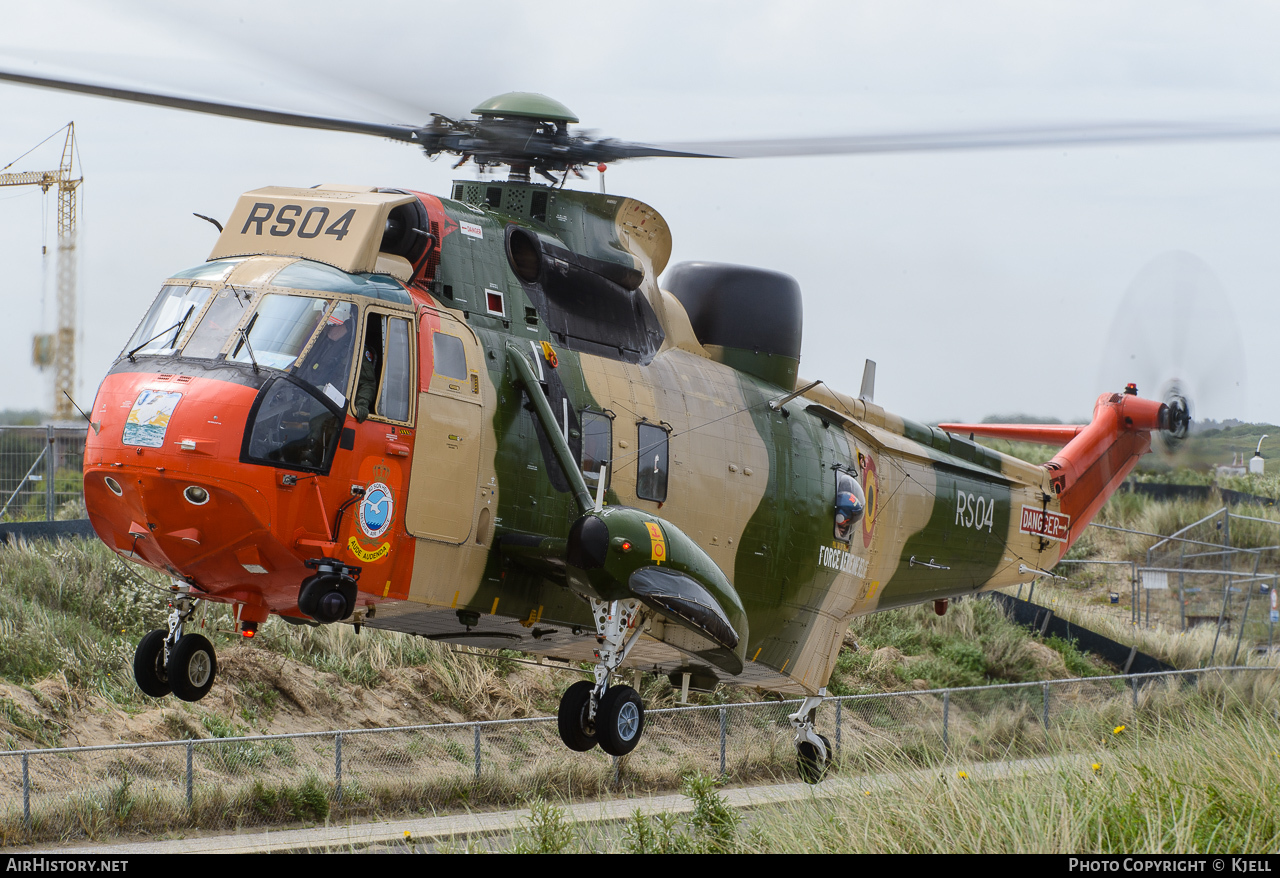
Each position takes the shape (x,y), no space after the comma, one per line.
(480,419)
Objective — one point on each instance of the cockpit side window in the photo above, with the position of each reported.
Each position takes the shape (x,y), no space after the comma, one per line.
(328,363)
(397,378)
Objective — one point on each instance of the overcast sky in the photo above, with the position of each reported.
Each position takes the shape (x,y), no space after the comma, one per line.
(980,282)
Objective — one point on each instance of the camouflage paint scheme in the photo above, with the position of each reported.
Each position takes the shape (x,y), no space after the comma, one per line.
(478,555)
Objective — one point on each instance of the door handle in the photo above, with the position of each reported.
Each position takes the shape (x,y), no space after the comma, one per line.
(397,449)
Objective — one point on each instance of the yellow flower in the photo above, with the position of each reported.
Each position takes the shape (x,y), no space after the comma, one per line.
(866,792)
(962,775)
(1097,766)
(1117,730)
(406,833)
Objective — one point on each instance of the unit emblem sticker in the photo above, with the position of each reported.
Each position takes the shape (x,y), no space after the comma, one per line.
(148,420)
(376,509)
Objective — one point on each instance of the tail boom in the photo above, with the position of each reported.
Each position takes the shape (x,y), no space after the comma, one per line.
(1096,458)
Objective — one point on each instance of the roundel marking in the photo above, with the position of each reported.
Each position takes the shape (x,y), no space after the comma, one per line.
(871,488)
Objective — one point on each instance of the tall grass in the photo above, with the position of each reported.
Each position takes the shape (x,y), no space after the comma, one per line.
(1199,781)
(1197,771)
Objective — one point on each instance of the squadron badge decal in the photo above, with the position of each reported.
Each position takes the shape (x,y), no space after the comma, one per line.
(376,510)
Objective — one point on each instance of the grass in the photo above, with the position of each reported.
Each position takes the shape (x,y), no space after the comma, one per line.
(1161,782)
(972,645)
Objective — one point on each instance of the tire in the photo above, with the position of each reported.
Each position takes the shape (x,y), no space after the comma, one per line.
(572,717)
(812,767)
(148,665)
(192,667)
(620,720)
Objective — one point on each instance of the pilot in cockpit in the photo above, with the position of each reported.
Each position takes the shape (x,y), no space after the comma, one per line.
(329,362)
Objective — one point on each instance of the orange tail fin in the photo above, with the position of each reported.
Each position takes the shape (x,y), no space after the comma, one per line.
(1097,457)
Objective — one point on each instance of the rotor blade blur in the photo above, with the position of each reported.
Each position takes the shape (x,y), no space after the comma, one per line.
(215,108)
(1097,134)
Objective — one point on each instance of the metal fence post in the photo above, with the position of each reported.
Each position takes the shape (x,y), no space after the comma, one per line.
(337,765)
(724,723)
(26,793)
(50,471)
(1134,682)
(190,775)
(477,731)
(946,711)
(839,708)
(1046,707)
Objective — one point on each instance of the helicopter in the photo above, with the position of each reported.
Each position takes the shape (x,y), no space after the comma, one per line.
(480,419)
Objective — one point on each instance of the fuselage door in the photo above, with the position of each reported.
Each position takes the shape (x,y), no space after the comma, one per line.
(446,460)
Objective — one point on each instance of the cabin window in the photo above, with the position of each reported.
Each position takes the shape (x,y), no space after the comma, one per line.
(597,442)
(451,359)
(393,398)
(850,504)
(651,475)
(173,313)
(327,366)
(220,320)
(279,331)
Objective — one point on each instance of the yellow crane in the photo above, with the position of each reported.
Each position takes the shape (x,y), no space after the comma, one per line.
(59,349)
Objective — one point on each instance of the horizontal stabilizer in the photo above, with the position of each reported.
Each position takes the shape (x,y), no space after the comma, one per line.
(1041,434)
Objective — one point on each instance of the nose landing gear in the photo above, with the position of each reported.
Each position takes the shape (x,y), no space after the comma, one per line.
(171,661)
(595,713)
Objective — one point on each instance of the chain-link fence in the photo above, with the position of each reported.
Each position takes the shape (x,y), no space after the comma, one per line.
(235,781)
(41,473)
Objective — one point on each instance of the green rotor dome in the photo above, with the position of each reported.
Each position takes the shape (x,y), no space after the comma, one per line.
(527,104)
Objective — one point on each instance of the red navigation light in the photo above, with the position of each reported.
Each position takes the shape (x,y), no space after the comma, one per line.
(248,629)
(1131,389)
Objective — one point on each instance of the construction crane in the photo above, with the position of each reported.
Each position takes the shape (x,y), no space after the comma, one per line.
(59,349)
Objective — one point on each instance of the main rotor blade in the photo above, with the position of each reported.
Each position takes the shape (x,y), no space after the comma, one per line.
(235,111)
(959,140)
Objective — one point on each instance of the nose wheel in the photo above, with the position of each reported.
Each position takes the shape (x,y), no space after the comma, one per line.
(171,661)
(597,713)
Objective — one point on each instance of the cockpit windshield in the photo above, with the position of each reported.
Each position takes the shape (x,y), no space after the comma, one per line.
(219,322)
(173,313)
(280,329)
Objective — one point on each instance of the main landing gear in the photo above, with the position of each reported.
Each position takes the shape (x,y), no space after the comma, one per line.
(174,661)
(813,751)
(597,713)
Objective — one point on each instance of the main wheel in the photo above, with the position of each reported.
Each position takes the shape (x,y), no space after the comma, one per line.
(192,667)
(575,730)
(810,762)
(620,720)
(148,665)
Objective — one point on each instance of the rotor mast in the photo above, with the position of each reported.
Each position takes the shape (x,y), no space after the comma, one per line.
(59,350)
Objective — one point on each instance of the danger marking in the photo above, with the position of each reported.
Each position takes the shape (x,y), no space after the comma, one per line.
(1042,523)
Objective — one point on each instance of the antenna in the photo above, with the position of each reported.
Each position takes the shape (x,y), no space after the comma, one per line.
(868,392)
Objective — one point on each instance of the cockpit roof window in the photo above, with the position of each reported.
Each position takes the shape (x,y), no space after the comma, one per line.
(307,275)
(216,270)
